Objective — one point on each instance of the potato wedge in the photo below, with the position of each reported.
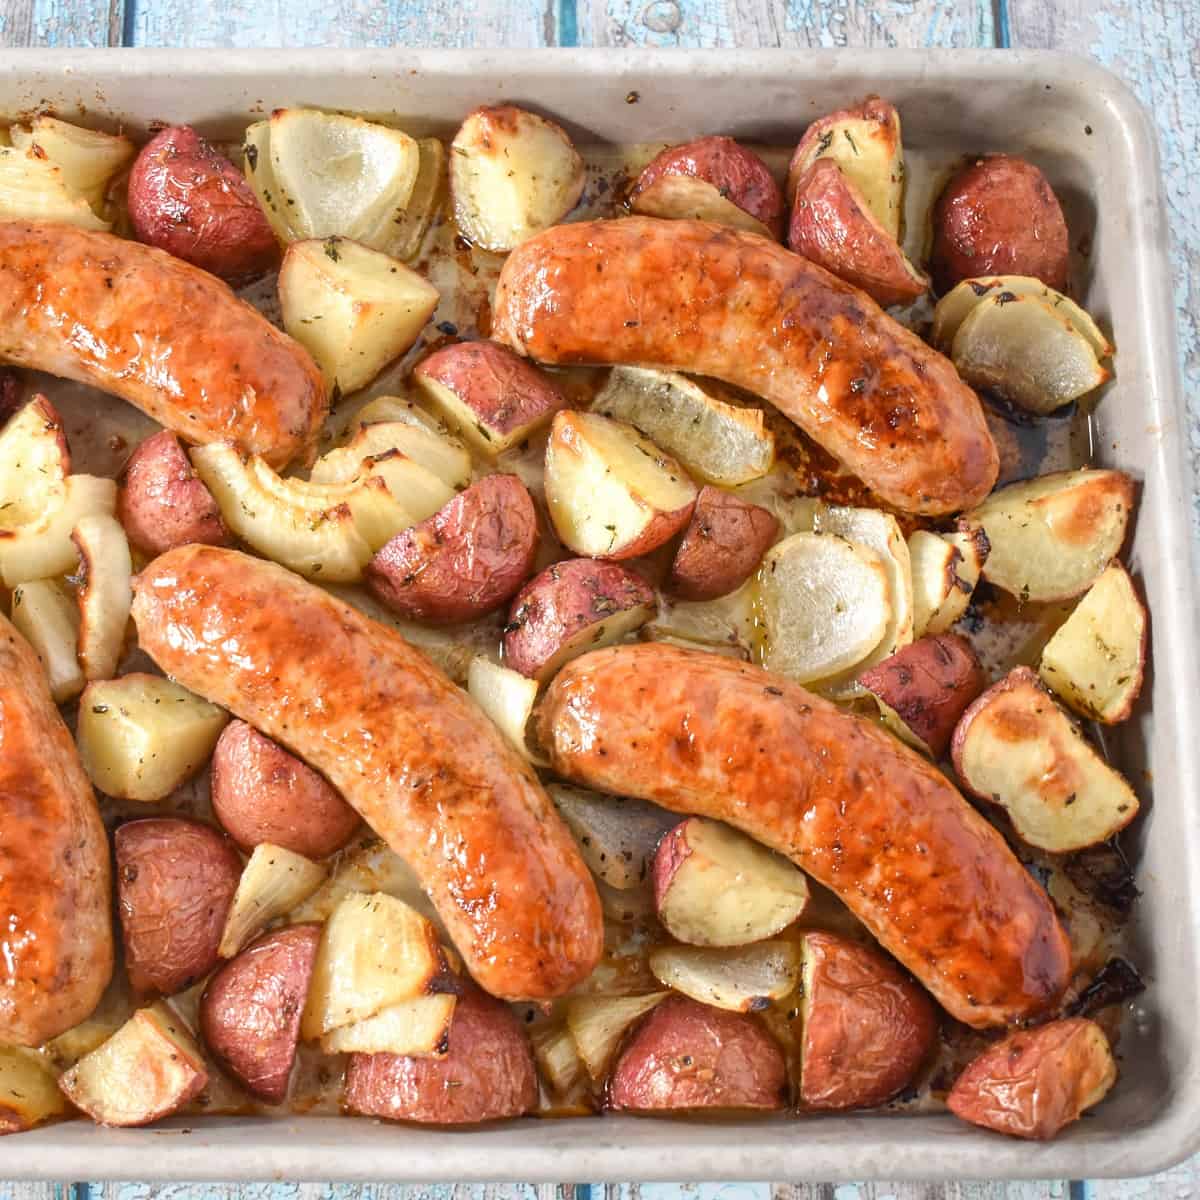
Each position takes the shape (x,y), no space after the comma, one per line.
(864,142)
(721,547)
(41,547)
(464,561)
(611,492)
(49,621)
(924,688)
(438,453)
(105,593)
(176,880)
(867,1026)
(557,1059)
(1096,660)
(953,308)
(1026,351)
(486,1074)
(418,1028)
(833,226)
(340,176)
(1036,1081)
(141,736)
(617,835)
(273,882)
(150,1068)
(598,1023)
(376,951)
(689,1056)
(714,886)
(746,979)
(507,697)
(1052,537)
(35,461)
(717,441)
(352,308)
(711,179)
(89,159)
(569,608)
(512,174)
(493,397)
(945,570)
(29,1094)
(1016,748)
(261,793)
(826,604)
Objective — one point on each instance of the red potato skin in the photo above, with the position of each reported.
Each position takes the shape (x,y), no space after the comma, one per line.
(465,560)
(832,226)
(488,1073)
(688,1056)
(873,108)
(175,882)
(250,1011)
(163,503)
(191,201)
(722,545)
(55,879)
(1036,1081)
(702,734)
(562,601)
(698,297)
(868,1029)
(737,174)
(261,793)
(138,323)
(999,216)
(422,764)
(930,683)
(507,394)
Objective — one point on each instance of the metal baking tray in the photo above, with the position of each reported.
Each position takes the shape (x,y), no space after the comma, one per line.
(1098,147)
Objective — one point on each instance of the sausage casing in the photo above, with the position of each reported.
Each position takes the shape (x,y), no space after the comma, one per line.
(55,879)
(419,760)
(843,799)
(158,332)
(700,297)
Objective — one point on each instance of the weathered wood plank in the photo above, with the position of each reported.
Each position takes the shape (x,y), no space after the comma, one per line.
(73,22)
(1037,1190)
(1155,47)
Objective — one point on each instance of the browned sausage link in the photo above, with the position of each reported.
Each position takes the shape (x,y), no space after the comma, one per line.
(166,336)
(421,763)
(859,811)
(56,954)
(700,297)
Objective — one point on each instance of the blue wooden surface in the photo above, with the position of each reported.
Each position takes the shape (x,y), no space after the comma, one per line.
(1153,44)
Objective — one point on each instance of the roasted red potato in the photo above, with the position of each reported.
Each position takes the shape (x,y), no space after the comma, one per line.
(833,226)
(998,216)
(495,398)
(261,793)
(867,1026)
(187,199)
(162,502)
(722,545)
(686,1055)
(175,881)
(487,1074)
(466,560)
(711,179)
(250,1011)
(573,606)
(1036,1081)
(925,687)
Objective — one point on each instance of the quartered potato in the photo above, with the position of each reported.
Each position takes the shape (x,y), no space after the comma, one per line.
(746,979)
(864,142)
(721,547)
(48,619)
(507,697)
(826,605)
(1016,748)
(29,1093)
(274,881)
(1096,660)
(512,174)
(352,308)
(945,569)
(1051,537)
(598,1023)
(105,593)
(717,441)
(1021,348)
(714,886)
